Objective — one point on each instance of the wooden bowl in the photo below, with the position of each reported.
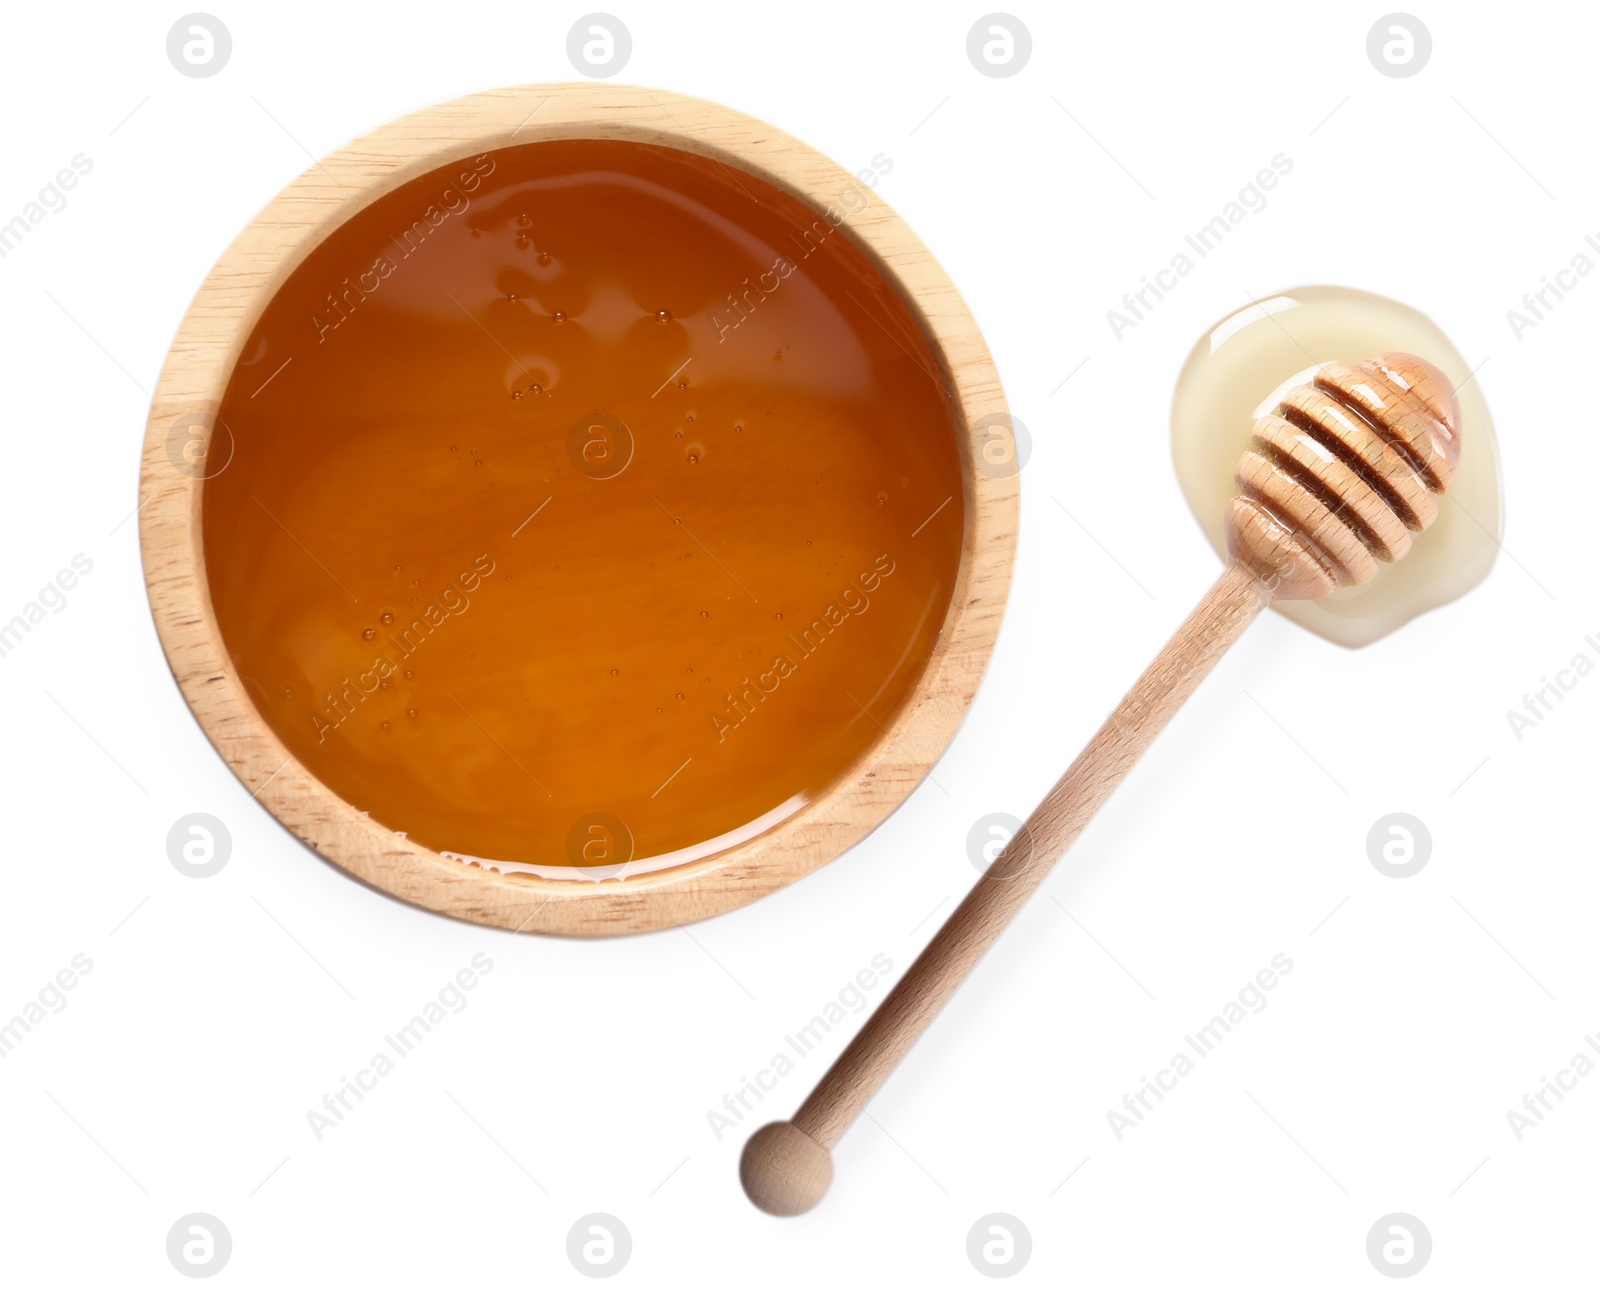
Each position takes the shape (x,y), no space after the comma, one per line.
(191,387)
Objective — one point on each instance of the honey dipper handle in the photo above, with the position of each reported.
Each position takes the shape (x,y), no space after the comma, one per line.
(1213,626)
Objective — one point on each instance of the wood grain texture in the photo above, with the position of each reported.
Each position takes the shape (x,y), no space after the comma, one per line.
(1011,879)
(180,431)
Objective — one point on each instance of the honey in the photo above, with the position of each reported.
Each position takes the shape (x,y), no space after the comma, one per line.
(590,503)
(1248,361)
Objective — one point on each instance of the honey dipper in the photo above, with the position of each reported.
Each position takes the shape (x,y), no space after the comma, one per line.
(1337,478)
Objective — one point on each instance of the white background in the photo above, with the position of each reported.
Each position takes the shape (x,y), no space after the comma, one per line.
(579,1078)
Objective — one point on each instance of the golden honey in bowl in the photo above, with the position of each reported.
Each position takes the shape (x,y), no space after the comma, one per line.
(589,501)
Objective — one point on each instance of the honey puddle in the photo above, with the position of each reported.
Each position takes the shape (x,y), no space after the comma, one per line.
(1245,364)
(590,504)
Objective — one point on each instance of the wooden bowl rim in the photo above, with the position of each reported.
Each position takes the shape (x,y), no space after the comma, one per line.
(203,356)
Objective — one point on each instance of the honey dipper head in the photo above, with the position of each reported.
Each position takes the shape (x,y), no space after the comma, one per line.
(1341,474)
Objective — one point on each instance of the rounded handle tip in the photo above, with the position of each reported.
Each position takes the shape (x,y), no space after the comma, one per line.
(784,1171)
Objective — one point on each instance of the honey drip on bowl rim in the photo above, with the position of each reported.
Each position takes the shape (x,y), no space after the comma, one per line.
(590,503)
